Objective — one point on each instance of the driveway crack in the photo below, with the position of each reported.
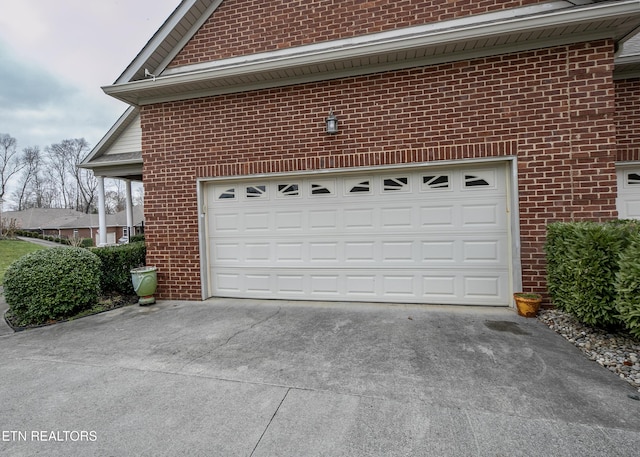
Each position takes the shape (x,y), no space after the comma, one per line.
(264,432)
(239,332)
(251,327)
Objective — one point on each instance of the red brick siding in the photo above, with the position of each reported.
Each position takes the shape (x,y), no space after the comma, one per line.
(628,119)
(241,27)
(553,108)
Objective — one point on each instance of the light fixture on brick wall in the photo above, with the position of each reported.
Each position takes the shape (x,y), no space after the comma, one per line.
(332,123)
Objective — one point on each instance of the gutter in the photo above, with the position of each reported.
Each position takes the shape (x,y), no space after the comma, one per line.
(450,32)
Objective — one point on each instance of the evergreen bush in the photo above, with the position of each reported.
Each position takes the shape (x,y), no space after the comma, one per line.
(628,286)
(582,265)
(117,263)
(52,284)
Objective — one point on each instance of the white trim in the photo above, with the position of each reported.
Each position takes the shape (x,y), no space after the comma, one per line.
(448,32)
(348,170)
(165,31)
(122,123)
(513,197)
(393,39)
(511,170)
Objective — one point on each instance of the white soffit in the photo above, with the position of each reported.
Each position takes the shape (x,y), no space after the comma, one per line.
(475,36)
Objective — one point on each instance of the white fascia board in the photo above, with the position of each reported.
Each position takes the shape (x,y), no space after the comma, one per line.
(123,121)
(162,34)
(390,38)
(455,31)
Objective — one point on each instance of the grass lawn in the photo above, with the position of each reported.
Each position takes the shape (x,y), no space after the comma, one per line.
(11,250)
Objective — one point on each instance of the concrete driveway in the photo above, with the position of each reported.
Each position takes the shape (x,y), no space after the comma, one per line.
(247,378)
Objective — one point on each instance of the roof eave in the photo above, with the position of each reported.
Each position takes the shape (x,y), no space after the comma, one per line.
(108,139)
(315,62)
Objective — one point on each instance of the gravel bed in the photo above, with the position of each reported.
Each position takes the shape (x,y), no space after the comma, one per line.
(619,352)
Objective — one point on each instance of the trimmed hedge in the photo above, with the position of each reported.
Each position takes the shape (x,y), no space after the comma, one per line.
(628,286)
(52,284)
(136,238)
(583,264)
(117,263)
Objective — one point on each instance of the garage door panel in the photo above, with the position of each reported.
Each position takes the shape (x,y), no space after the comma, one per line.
(397,218)
(289,221)
(225,223)
(358,219)
(438,287)
(323,219)
(481,286)
(438,251)
(257,283)
(227,252)
(289,252)
(324,252)
(360,286)
(474,215)
(256,252)
(325,284)
(400,287)
(256,221)
(390,252)
(437,216)
(412,237)
(481,251)
(290,284)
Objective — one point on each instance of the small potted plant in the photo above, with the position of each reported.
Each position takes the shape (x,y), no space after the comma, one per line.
(527,303)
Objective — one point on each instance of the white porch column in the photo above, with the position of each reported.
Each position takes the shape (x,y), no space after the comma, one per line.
(129,199)
(102,213)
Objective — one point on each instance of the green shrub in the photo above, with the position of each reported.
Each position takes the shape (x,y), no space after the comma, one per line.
(136,238)
(628,286)
(52,284)
(558,283)
(582,265)
(117,263)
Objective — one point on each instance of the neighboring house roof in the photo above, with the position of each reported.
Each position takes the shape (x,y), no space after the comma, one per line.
(60,219)
(42,218)
(148,79)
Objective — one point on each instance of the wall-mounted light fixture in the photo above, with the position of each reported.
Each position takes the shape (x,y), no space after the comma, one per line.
(332,123)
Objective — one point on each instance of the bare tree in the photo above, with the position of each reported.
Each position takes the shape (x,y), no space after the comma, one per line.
(138,197)
(115,199)
(58,169)
(77,186)
(86,182)
(31,161)
(9,161)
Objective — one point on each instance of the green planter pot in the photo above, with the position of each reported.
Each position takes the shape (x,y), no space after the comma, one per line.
(145,281)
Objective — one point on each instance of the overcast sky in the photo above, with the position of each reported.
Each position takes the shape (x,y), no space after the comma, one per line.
(56,54)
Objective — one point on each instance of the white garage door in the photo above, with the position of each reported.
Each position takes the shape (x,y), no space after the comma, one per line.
(434,236)
(628,202)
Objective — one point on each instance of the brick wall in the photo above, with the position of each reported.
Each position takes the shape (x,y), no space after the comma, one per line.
(241,27)
(628,119)
(553,108)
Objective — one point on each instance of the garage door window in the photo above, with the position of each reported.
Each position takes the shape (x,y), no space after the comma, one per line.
(396,184)
(435,182)
(288,190)
(256,191)
(227,194)
(633,179)
(325,188)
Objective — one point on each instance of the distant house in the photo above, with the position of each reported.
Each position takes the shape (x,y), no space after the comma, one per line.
(464,127)
(67,223)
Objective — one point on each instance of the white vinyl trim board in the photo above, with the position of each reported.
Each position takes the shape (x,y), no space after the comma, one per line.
(433,235)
